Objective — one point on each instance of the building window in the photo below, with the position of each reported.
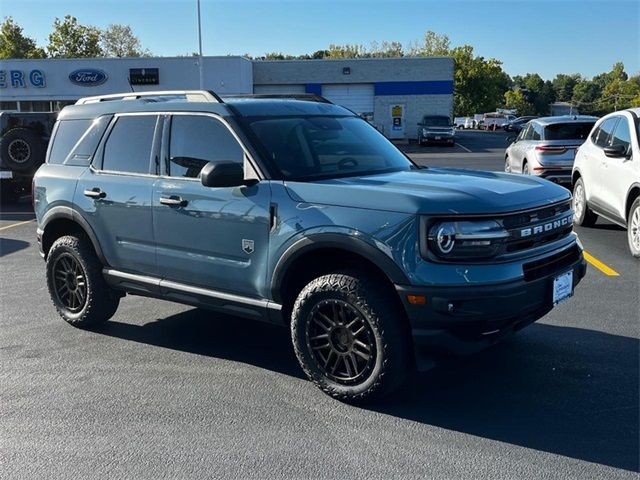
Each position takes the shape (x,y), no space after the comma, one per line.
(9,106)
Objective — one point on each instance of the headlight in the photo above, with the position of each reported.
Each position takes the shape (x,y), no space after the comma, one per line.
(467,239)
(424,132)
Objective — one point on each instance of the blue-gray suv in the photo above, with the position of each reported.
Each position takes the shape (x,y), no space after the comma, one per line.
(296,211)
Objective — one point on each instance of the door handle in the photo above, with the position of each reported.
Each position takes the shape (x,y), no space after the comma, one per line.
(173,201)
(95,193)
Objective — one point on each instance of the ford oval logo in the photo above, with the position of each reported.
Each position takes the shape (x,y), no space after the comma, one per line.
(88,77)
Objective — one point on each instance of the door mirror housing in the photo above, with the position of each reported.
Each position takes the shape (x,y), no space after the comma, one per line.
(222,174)
(615,151)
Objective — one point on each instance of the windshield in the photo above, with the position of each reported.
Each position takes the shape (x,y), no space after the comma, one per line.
(436,122)
(568,131)
(314,147)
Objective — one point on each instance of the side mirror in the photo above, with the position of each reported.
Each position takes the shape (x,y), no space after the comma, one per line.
(615,151)
(420,124)
(222,174)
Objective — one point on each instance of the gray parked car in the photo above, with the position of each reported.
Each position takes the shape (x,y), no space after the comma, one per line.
(547,146)
(299,213)
(436,129)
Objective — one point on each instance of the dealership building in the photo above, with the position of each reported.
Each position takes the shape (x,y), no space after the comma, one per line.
(392,93)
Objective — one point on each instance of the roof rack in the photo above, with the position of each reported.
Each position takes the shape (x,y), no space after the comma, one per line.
(309,97)
(156,96)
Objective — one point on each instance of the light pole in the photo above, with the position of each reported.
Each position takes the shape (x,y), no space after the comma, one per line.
(200,66)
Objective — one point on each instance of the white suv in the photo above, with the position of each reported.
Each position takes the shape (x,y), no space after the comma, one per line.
(606,175)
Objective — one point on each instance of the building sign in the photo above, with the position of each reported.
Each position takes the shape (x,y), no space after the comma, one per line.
(88,77)
(144,76)
(20,79)
(397,121)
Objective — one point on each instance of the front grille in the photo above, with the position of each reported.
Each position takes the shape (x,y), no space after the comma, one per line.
(552,264)
(537,227)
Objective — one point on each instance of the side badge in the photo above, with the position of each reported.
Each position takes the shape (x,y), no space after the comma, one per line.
(247,246)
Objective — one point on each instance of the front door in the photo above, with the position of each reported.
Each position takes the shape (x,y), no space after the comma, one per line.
(617,170)
(215,238)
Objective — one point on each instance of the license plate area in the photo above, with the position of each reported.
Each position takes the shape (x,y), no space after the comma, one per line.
(562,287)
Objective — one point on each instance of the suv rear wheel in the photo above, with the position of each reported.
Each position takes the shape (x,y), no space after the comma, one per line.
(348,337)
(76,285)
(633,228)
(582,214)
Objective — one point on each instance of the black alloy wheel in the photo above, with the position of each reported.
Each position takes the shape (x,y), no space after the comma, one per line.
(341,341)
(70,285)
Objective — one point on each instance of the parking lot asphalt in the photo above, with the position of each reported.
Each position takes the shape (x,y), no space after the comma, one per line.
(169,391)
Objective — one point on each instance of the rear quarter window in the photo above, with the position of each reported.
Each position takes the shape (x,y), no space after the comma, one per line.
(68,132)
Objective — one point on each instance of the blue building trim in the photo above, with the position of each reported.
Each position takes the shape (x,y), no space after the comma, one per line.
(313,88)
(432,87)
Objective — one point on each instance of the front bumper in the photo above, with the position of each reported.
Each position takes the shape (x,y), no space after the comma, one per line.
(466,319)
(438,138)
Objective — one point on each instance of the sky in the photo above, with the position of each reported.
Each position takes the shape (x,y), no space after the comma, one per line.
(537,36)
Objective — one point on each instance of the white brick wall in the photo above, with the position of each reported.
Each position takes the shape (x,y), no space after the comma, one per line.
(415,107)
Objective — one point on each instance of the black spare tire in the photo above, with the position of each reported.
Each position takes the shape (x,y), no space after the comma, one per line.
(22,149)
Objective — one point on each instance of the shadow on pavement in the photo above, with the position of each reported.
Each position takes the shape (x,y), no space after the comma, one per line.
(566,391)
(216,335)
(8,246)
(562,390)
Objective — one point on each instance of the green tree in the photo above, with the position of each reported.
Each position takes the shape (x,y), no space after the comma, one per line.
(433,45)
(563,86)
(69,39)
(386,50)
(479,84)
(120,41)
(346,51)
(515,99)
(14,44)
(538,92)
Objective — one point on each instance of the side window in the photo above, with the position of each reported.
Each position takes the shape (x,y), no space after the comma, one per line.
(622,135)
(525,132)
(536,131)
(67,135)
(86,146)
(196,140)
(604,131)
(128,148)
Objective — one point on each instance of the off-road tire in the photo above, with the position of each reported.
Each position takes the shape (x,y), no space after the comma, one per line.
(584,217)
(22,149)
(386,321)
(100,301)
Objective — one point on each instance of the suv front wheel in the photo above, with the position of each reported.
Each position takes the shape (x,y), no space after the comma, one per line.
(348,337)
(76,285)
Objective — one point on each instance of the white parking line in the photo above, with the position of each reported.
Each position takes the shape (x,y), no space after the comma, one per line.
(464,148)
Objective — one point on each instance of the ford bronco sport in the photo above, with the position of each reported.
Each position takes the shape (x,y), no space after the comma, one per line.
(298,212)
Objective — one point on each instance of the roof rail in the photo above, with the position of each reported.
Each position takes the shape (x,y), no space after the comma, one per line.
(309,97)
(156,96)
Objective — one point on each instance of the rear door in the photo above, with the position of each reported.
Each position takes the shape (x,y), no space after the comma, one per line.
(216,238)
(114,195)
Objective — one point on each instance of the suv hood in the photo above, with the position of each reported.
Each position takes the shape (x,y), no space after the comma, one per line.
(432,191)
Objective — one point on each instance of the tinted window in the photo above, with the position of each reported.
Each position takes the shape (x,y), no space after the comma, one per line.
(601,135)
(536,131)
(86,146)
(436,122)
(128,148)
(568,131)
(67,135)
(309,147)
(197,140)
(622,135)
